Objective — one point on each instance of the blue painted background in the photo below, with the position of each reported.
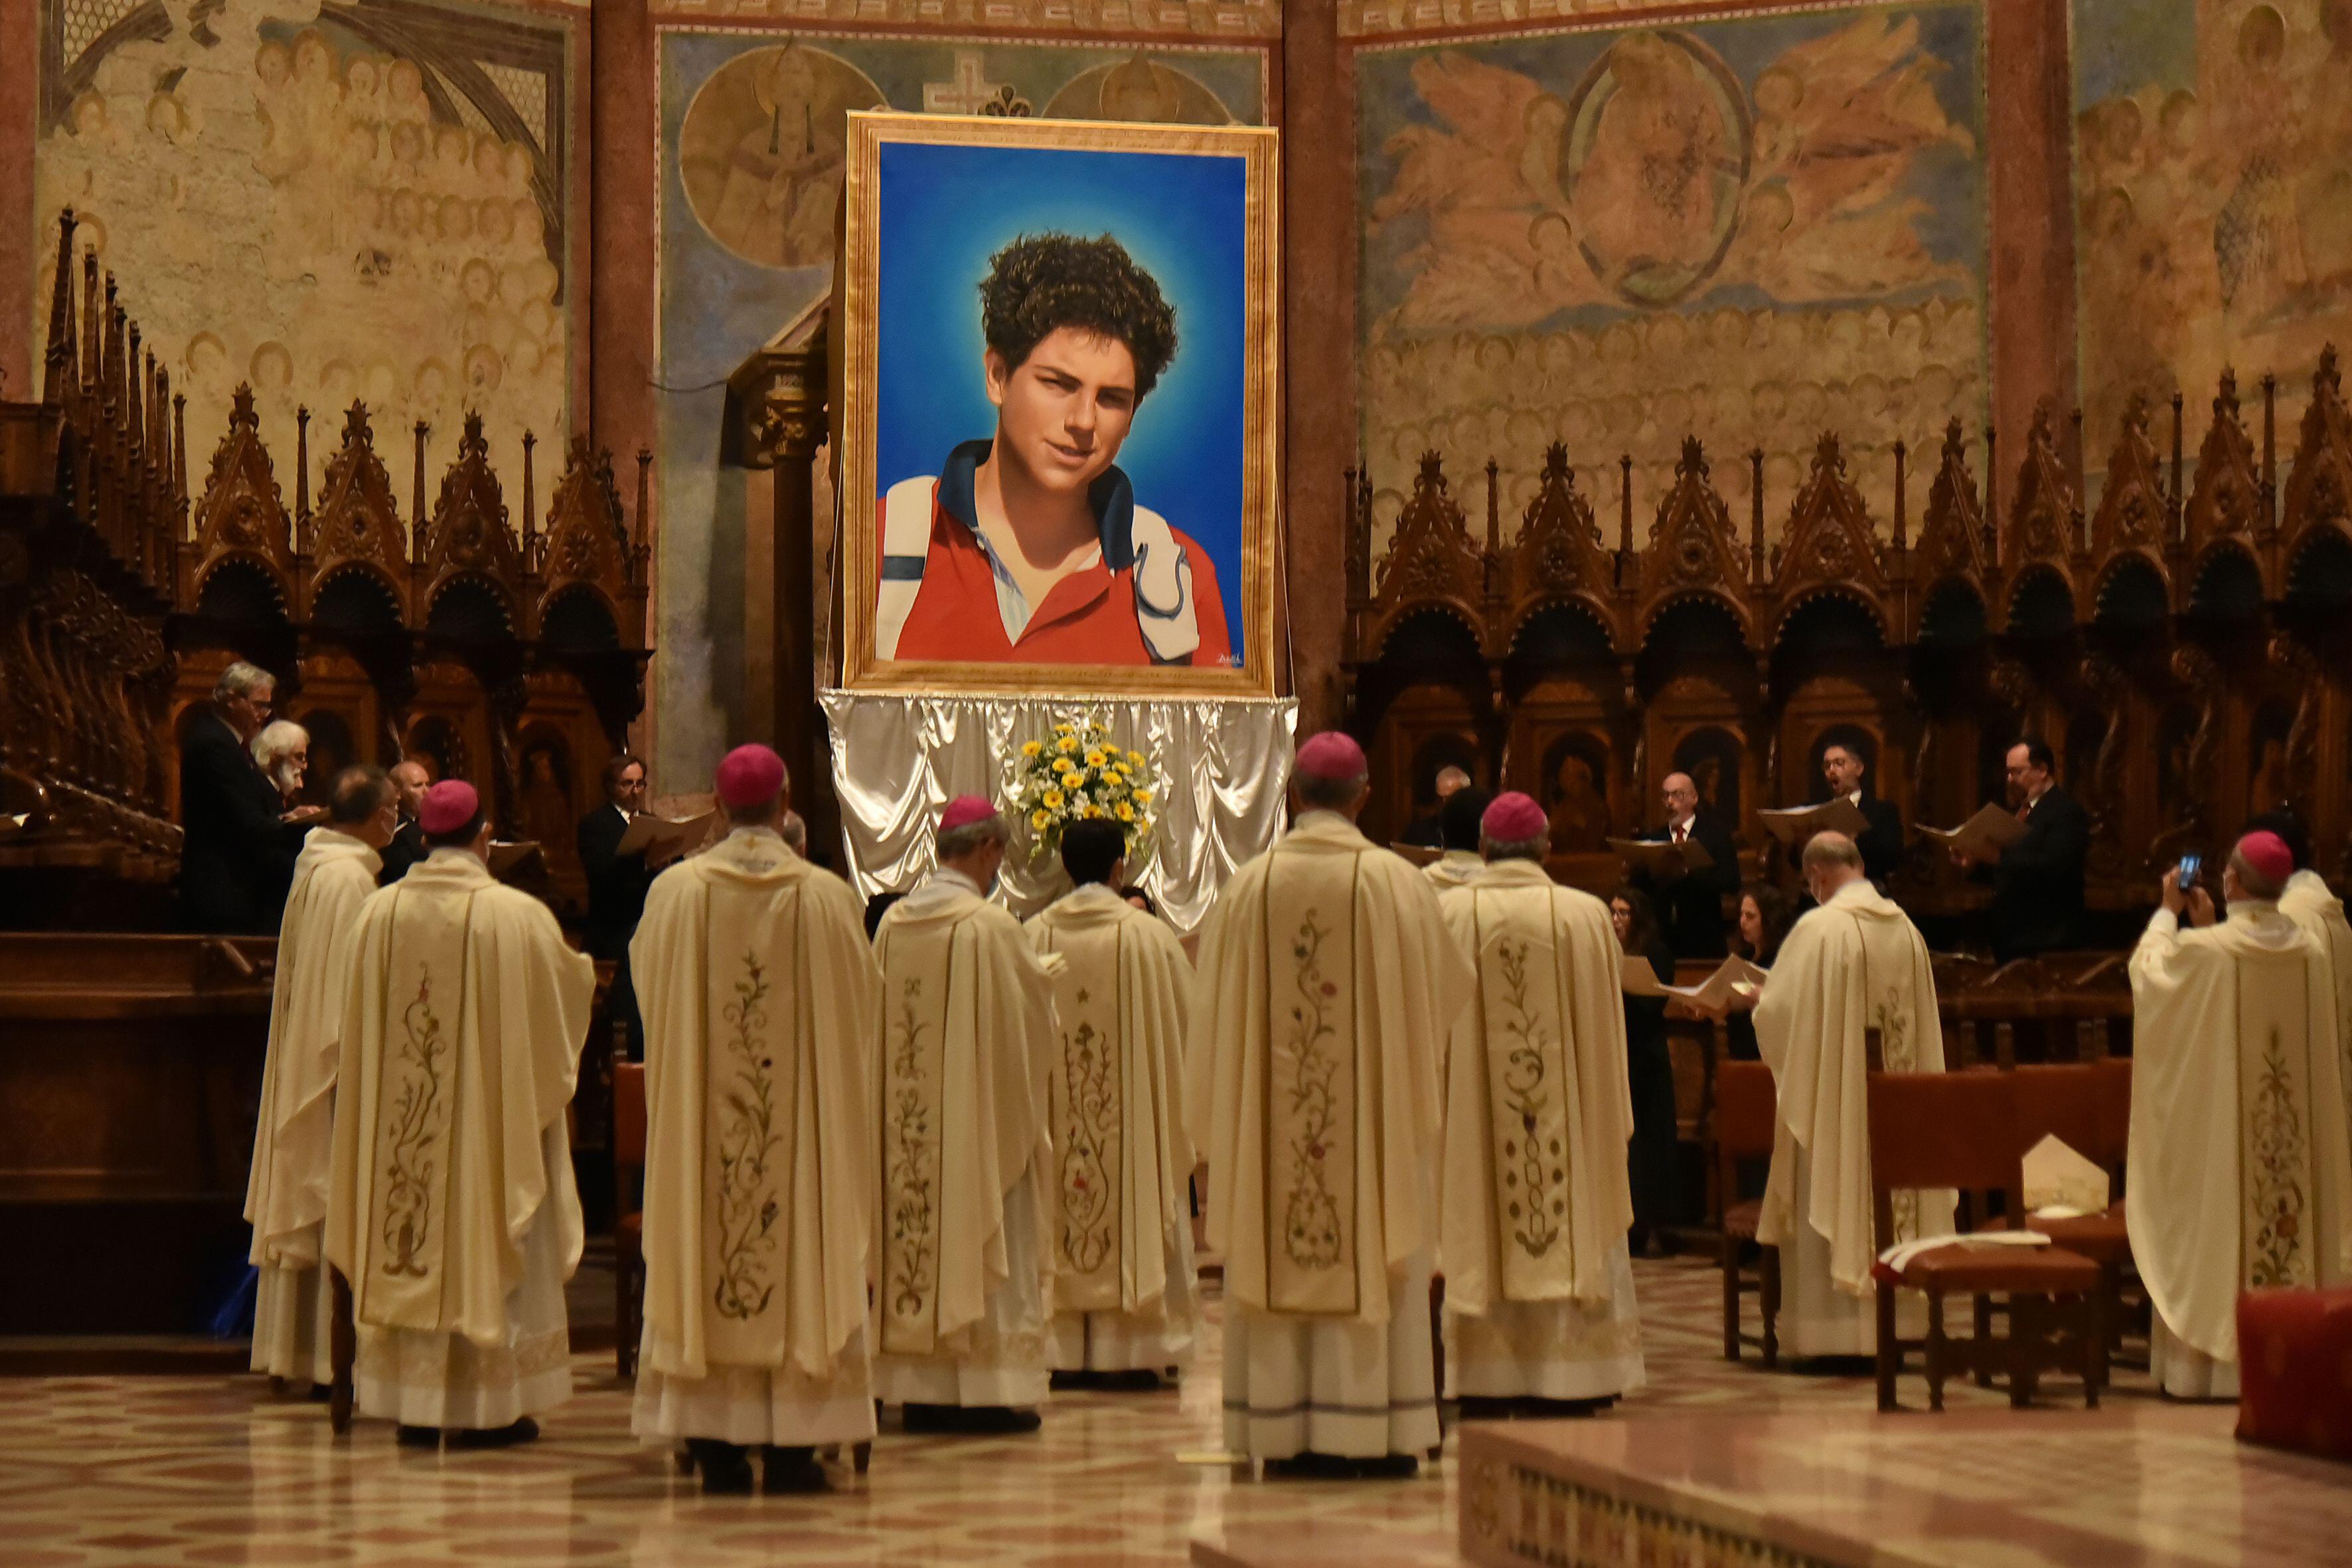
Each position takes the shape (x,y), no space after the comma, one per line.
(946,210)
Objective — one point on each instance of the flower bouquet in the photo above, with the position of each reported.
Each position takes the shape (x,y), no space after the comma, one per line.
(1078,772)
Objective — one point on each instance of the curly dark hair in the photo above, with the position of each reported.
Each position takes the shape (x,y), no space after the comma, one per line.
(1042,281)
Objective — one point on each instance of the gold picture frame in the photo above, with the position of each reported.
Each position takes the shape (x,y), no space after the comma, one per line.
(1251,631)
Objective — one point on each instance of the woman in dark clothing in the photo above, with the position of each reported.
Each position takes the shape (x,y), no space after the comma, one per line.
(1649,1075)
(1765,913)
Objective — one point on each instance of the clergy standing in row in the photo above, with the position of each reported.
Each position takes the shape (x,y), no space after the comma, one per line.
(762,999)
(962,1147)
(2240,1174)
(1122,1229)
(1458,831)
(286,1198)
(1540,1311)
(452,1210)
(1852,967)
(1325,987)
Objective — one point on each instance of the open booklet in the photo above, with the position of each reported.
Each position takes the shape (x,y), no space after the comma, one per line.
(1792,824)
(1734,976)
(1984,835)
(647,831)
(1661,859)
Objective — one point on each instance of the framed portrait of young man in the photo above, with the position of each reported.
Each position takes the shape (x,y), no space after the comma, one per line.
(1058,407)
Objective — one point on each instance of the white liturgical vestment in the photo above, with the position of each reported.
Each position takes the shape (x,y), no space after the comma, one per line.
(1121,1223)
(962,1153)
(1455,869)
(2308,903)
(453,1211)
(1326,986)
(760,999)
(286,1198)
(1854,964)
(2239,1172)
(1539,1291)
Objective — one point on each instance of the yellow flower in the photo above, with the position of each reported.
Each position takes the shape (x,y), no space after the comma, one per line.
(1031,748)
(1135,759)
(1093,811)
(1093,759)
(1115,775)
(1061,729)
(1040,820)
(1126,812)
(1143,797)
(1066,744)
(1054,799)
(1063,765)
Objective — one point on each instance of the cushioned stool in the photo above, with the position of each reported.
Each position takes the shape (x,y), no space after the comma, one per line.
(2294,1370)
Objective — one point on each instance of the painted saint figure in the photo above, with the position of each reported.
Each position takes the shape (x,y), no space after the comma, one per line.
(1030,546)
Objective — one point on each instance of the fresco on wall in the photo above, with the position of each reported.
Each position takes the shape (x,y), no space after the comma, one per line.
(354,201)
(753,131)
(2213,183)
(1754,229)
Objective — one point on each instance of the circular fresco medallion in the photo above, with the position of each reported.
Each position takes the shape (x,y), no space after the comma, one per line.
(763,149)
(1656,154)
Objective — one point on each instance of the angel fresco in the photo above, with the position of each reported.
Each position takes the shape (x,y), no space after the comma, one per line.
(1662,179)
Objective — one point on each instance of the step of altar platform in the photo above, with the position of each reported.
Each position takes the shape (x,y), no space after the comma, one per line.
(1323,1545)
(2133,1485)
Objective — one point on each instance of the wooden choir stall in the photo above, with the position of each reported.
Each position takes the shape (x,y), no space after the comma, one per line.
(130,1055)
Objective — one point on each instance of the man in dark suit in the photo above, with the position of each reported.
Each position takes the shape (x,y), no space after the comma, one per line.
(1427,831)
(1882,842)
(617,884)
(2037,882)
(236,855)
(1690,905)
(407,845)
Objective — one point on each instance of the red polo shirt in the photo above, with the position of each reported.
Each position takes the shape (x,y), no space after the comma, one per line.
(1089,617)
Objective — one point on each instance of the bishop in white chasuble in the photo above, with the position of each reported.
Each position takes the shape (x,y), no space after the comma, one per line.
(761,1000)
(2239,1171)
(962,1147)
(2319,914)
(1852,965)
(286,1197)
(452,1211)
(1123,1272)
(1458,820)
(1538,1289)
(1327,984)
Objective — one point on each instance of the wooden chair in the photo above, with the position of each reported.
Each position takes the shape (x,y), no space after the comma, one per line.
(1960,1130)
(1746,1112)
(628,1146)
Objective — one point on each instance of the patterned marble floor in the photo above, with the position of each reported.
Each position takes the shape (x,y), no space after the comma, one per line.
(212,1469)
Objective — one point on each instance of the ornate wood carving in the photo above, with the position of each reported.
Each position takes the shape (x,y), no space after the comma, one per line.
(242,515)
(586,543)
(1830,542)
(2319,487)
(1694,548)
(358,521)
(1557,555)
(2047,515)
(468,535)
(2225,496)
(2131,518)
(1430,559)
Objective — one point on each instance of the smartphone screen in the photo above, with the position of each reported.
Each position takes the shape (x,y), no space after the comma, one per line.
(2190,866)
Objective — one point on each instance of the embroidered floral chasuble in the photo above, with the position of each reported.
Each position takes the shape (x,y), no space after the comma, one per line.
(1854,965)
(1538,1113)
(1120,1156)
(761,998)
(1325,983)
(2240,1174)
(961,1105)
(461,1040)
